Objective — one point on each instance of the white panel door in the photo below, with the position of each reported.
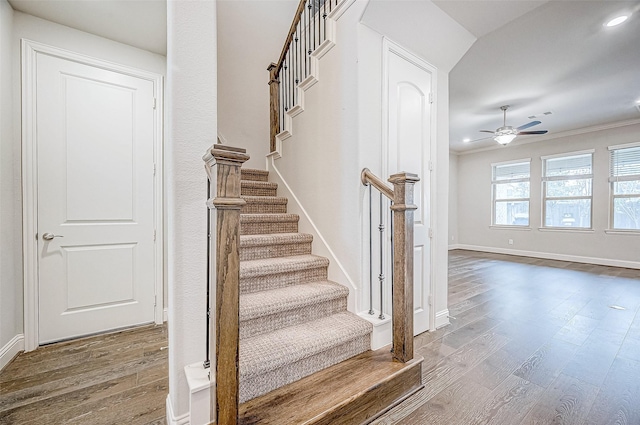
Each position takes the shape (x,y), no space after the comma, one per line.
(95,199)
(409,144)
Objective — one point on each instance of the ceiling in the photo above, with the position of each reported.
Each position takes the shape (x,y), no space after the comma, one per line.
(557,57)
(537,56)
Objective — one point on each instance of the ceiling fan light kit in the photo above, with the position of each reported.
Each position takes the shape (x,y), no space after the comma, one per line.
(505,134)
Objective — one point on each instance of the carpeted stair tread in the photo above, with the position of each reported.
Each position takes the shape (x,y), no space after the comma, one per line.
(253,174)
(258,304)
(266,352)
(272,245)
(274,239)
(277,200)
(258,188)
(251,224)
(263,267)
(264,204)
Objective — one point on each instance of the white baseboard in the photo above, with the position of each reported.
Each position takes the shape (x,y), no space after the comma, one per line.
(11,349)
(173,419)
(442,318)
(552,256)
(165,315)
(454,246)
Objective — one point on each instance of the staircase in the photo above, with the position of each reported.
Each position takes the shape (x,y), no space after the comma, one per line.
(293,321)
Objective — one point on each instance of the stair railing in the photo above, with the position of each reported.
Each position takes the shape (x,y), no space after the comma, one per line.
(308,31)
(223,165)
(402,208)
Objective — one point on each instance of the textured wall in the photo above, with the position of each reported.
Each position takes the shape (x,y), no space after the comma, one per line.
(250,36)
(191,129)
(10,246)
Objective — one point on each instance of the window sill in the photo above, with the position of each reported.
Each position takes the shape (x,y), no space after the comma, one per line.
(622,232)
(566,229)
(526,228)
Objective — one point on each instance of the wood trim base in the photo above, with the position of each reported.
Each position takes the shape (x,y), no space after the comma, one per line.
(355,391)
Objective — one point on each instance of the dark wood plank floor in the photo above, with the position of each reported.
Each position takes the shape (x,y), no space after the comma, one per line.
(118,378)
(533,342)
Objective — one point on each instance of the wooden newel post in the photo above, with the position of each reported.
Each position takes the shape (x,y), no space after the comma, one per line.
(274,105)
(227,204)
(403,265)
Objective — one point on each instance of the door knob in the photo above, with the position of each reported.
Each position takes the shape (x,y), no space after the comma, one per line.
(49,236)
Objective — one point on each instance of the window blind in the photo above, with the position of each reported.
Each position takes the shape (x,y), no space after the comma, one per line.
(624,162)
(573,165)
(520,170)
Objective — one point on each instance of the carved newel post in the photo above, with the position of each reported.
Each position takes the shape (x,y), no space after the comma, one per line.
(225,174)
(274,105)
(403,265)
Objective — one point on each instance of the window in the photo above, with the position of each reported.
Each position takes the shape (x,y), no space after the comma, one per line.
(510,187)
(624,175)
(567,190)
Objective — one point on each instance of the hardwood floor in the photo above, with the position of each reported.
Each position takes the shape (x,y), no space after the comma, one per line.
(533,342)
(118,378)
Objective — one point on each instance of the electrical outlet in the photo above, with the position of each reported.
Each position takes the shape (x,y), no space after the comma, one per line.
(510,241)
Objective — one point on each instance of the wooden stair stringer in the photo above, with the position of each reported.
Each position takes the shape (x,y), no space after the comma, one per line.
(355,391)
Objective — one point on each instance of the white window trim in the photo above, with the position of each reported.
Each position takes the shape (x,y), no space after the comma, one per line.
(612,196)
(493,194)
(543,191)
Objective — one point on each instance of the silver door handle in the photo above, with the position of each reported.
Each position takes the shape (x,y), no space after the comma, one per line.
(49,236)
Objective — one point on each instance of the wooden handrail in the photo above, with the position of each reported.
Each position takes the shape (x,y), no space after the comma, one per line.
(292,31)
(367,177)
(223,168)
(402,294)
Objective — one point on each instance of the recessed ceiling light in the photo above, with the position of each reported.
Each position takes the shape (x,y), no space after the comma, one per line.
(617,21)
(467,140)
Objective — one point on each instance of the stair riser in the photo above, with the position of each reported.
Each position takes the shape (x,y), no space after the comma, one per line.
(246,174)
(273,251)
(260,325)
(258,191)
(260,208)
(269,227)
(280,280)
(254,386)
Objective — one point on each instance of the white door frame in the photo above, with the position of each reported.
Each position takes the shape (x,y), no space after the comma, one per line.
(388,47)
(30,49)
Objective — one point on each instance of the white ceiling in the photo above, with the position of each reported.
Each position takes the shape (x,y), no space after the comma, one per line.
(536,56)
(557,57)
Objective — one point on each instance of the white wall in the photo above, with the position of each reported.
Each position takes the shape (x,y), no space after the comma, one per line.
(339,132)
(10,243)
(453,199)
(250,36)
(191,129)
(474,203)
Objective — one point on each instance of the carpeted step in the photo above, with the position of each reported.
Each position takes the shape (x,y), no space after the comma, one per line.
(258,188)
(274,359)
(255,247)
(258,224)
(272,273)
(268,311)
(264,205)
(254,175)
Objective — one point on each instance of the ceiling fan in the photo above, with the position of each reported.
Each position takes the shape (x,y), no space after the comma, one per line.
(505,134)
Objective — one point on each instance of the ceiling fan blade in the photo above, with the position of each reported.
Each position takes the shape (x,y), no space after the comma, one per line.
(532,132)
(480,139)
(486,131)
(525,126)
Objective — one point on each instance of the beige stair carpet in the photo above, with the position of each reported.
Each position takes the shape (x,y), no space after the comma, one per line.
(293,321)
